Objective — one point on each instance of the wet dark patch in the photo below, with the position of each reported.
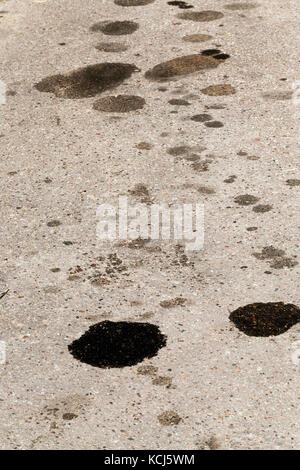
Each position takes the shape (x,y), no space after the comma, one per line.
(180,4)
(88,81)
(119,104)
(197,38)
(201,118)
(179,102)
(230,179)
(293,182)
(181,66)
(169,418)
(215,53)
(117,344)
(219,90)
(178,150)
(240,6)
(276,258)
(111,47)
(200,16)
(133,3)
(246,200)
(115,28)
(171,303)
(251,229)
(265,319)
(261,208)
(214,124)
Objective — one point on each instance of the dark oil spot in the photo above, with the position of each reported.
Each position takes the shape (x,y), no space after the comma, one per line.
(181,66)
(69,416)
(55,270)
(219,90)
(197,37)
(246,200)
(147,370)
(115,28)
(208,15)
(201,118)
(173,302)
(175,102)
(293,182)
(111,47)
(169,418)
(180,4)
(144,146)
(88,81)
(210,52)
(265,319)
(132,3)
(178,150)
(251,229)
(261,208)
(230,179)
(119,104)
(117,344)
(240,6)
(68,243)
(53,223)
(276,258)
(214,124)
(221,56)
(241,153)
(163,381)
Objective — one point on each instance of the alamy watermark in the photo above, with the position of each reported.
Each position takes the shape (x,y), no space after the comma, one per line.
(2,92)
(183,222)
(296,98)
(2,352)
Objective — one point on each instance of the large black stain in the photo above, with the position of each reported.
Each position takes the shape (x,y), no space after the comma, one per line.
(265,319)
(132,3)
(117,344)
(180,4)
(87,81)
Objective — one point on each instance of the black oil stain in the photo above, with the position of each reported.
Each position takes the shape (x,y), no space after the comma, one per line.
(214,124)
(211,52)
(144,146)
(265,319)
(276,258)
(117,344)
(199,16)
(53,223)
(169,418)
(201,118)
(181,66)
(262,208)
(111,47)
(179,102)
(230,179)
(115,28)
(180,4)
(87,81)
(293,182)
(246,200)
(119,104)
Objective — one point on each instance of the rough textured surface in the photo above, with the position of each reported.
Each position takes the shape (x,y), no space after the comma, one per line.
(60,159)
